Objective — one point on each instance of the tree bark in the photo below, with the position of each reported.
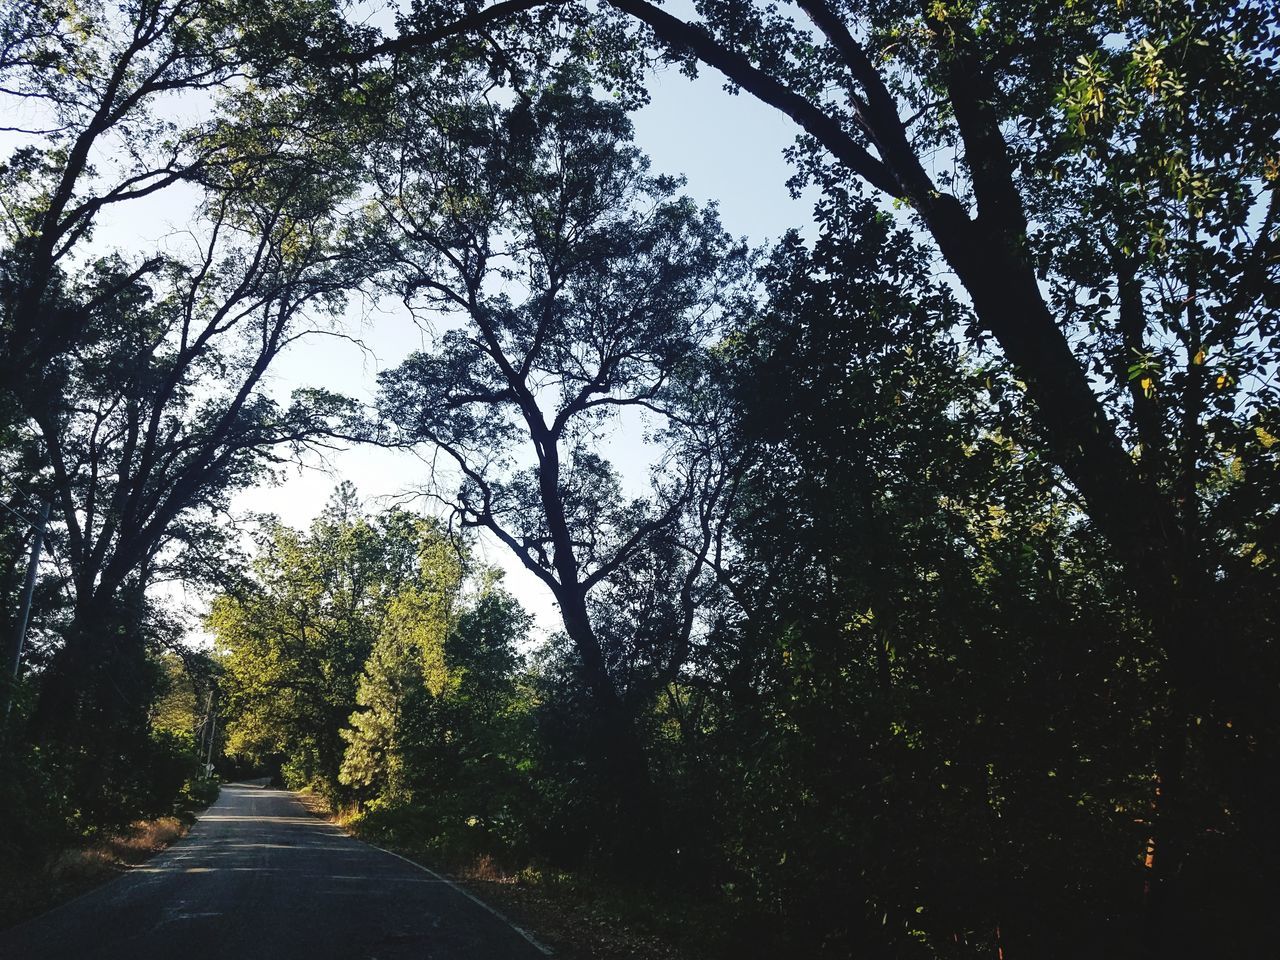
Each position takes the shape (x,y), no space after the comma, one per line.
(622,758)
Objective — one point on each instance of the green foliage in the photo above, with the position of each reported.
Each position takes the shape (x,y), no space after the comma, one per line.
(369,660)
(33,797)
(199,792)
(440,749)
(54,798)
(915,647)
(293,639)
(404,680)
(171,764)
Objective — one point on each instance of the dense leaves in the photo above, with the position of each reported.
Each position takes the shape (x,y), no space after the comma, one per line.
(945,623)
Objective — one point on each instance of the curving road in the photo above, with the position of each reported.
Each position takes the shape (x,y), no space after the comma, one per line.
(259,877)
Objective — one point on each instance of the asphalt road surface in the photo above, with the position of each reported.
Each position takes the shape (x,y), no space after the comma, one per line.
(258,878)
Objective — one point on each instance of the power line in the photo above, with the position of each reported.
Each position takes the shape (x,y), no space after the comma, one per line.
(25,519)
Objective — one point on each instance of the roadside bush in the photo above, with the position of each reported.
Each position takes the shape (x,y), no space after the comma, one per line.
(33,804)
(38,786)
(174,763)
(199,792)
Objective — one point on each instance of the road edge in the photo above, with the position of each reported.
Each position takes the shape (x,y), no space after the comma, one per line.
(533,941)
(112,873)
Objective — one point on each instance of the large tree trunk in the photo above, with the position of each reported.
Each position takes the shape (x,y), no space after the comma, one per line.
(627,762)
(1142,523)
(621,756)
(621,759)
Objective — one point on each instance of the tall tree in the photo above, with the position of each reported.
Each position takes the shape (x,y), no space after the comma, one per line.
(579,284)
(1107,203)
(924,693)
(140,439)
(295,637)
(440,732)
(89,86)
(138,379)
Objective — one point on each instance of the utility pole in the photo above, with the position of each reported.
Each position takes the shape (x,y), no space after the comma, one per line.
(213,732)
(24,613)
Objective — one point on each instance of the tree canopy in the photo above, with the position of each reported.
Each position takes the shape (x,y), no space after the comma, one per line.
(914,574)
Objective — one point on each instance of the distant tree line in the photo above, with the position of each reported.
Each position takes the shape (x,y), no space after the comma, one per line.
(945,624)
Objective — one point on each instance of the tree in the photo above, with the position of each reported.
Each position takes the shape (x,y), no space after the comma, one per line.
(441,731)
(135,383)
(581,284)
(86,78)
(1109,210)
(142,444)
(294,640)
(396,730)
(924,704)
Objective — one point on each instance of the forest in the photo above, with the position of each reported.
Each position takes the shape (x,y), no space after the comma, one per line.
(915,574)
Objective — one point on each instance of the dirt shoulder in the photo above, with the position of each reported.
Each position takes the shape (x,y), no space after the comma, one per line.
(576,923)
(575,919)
(30,891)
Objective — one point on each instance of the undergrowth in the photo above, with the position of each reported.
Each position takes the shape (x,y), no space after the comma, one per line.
(43,880)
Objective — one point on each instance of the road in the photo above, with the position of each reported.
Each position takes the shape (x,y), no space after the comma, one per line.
(259,877)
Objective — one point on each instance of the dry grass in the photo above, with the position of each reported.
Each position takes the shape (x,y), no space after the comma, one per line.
(484,869)
(572,918)
(145,839)
(318,807)
(70,873)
